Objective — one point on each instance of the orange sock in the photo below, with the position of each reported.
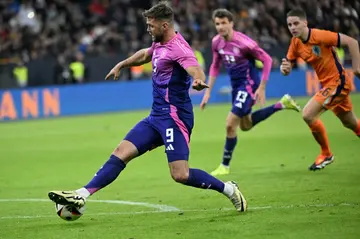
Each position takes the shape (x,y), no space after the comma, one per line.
(357,130)
(319,133)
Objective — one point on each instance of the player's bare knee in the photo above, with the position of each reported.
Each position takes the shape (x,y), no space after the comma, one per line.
(179,170)
(307,117)
(230,130)
(119,150)
(246,123)
(180,176)
(245,127)
(125,151)
(120,153)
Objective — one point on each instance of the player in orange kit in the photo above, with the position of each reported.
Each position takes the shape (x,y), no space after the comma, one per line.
(316,47)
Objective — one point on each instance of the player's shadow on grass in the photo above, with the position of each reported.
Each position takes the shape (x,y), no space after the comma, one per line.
(224,215)
(221,215)
(56,225)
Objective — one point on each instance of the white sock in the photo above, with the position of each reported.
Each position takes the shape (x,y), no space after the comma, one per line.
(228,189)
(282,105)
(83,192)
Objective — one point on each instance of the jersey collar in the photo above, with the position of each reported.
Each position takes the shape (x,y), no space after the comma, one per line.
(308,37)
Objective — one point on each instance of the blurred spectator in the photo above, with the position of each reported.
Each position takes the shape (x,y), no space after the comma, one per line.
(20,73)
(78,69)
(198,54)
(62,74)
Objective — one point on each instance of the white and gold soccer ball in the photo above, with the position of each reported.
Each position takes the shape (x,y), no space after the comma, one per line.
(68,212)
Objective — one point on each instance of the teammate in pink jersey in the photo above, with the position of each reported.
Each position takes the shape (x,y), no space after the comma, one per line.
(170,121)
(238,53)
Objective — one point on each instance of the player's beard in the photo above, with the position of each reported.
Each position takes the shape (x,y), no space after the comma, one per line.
(157,38)
(158,35)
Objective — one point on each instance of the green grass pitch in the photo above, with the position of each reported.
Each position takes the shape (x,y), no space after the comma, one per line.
(270,164)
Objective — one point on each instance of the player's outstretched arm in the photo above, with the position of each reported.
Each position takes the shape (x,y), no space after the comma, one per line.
(198,76)
(353,46)
(140,57)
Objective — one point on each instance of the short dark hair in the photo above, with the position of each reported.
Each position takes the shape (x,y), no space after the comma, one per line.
(161,11)
(221,13)
(297,13)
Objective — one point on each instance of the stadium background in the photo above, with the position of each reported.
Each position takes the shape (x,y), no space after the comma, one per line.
(48,35)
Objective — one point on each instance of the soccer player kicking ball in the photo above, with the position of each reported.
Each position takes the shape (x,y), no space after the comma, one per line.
(171,120)
(238,54)
(316,47)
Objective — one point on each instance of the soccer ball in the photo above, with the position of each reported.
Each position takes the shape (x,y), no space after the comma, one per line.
(68,212)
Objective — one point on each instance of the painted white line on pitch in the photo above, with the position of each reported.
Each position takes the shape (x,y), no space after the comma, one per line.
(87,214)
(160,207)
(164,211)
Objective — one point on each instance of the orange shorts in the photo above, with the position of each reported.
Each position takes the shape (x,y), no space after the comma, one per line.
(335,97)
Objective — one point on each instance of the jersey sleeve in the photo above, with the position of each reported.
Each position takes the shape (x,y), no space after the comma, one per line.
(216,61)
(258,53)
(324,37)
(151,49)
(184,55)
(292,52)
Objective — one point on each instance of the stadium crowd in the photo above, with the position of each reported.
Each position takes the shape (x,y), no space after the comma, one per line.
(31,29)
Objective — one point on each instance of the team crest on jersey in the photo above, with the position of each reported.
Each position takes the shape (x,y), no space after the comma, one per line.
(236,50)
(316,50)
(221,51)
